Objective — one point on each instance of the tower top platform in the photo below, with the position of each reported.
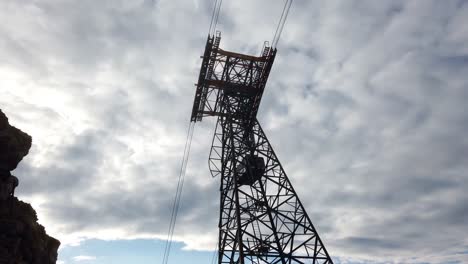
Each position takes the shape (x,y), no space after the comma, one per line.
(229,75)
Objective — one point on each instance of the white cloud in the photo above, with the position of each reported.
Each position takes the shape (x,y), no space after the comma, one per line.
(84,258)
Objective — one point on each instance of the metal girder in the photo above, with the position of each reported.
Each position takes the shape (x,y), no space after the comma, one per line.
(264,222)
(261,219)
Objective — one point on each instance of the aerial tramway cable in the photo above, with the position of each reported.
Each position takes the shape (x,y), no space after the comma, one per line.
(215,16)
(214,257)
(212,16)
(282,21)
(185,157)
(178,195)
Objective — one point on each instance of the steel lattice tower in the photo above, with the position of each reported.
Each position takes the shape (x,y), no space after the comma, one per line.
(261,218)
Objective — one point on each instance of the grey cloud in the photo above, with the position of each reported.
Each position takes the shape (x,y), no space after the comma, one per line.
(365,107)
(370,244)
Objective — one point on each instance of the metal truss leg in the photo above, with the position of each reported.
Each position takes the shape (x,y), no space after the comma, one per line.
(261,218)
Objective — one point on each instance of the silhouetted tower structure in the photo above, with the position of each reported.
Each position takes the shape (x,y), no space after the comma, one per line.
(261,218)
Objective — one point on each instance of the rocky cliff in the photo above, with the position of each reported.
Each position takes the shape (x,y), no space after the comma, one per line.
(22,239)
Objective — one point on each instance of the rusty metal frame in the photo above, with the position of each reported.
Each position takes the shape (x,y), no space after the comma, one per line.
(263,221)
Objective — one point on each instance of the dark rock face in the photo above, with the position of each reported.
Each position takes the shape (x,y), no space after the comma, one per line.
(22,239)
(14,145)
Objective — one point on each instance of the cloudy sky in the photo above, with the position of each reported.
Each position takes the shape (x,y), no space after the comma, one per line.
(366,107)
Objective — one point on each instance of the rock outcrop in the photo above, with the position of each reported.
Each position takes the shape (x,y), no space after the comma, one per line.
(22,239)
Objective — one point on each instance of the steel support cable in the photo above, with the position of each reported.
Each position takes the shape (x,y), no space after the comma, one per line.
(282,21)
(279,22)
(215,16)
(178,194)
(213,258)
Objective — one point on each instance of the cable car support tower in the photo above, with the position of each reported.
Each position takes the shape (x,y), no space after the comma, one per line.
(261,218)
